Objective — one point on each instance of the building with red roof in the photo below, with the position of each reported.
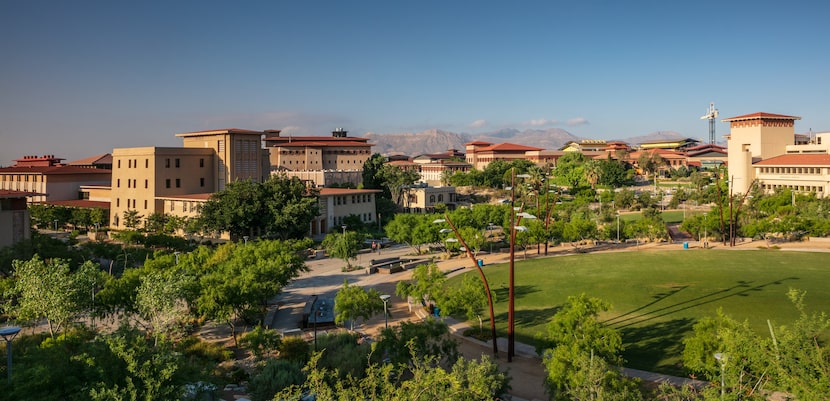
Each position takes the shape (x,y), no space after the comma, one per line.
(50,180)
(480,154)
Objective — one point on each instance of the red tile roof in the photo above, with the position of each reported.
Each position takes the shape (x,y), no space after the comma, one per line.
(796,160)
(507,147)
(80,203)
(8,193)
(105,158)
(319,144)
(53,170)
(761,115)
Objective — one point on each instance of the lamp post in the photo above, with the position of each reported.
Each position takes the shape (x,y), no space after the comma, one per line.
(344,228)
(8,334)
(245,239)
(472,257)
(722,358)
(385,299)
(177,255)
(705,229)
(511,297)
(56,224)
(618,226)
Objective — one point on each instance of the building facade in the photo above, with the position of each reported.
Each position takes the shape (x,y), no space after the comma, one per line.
(49,180)
(14,217)
(753,138)
(336,204)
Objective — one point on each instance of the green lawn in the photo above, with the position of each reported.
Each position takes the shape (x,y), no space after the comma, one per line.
(657,296)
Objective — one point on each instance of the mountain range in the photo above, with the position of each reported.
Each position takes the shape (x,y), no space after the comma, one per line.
(436,141)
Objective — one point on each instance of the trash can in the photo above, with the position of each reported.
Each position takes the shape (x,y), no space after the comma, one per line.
(685,245)
(481,263)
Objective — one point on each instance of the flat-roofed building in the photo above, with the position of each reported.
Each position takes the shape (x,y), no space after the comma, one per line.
(339,155)
(48,179)
(480,154)
(14,217)
(753,138)
(336,204)
(803,168)
(423,198)
(144,177)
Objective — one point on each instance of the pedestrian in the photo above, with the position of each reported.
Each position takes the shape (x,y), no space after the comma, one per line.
(374,246)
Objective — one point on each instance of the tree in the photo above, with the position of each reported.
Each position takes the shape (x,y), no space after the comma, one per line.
(236,281)
(413,340)
(343,246)
(280,207)
(132,219)
(396,179)
(470,299)
(414,230)
(371,173)
(49,290)
(650,162)
(427,281)
(579,354)
(160,300)
(593,172)
(352,302)
(475,380)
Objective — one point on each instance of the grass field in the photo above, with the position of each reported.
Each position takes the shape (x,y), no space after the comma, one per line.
(657,296)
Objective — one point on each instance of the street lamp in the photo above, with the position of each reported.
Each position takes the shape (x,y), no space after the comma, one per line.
(344,228)
(515,218)
(385,299)
(722,358)
(8,334)
(177,255)
(618,226)
(56,224)
(472,257)
(245,238)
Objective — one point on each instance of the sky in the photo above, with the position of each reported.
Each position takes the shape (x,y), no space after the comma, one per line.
(79,78)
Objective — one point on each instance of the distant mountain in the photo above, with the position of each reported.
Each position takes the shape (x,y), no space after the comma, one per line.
(435,141)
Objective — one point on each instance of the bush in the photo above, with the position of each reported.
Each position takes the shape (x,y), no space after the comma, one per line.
(295,349)
(193,346)
(261,341)
(275,376)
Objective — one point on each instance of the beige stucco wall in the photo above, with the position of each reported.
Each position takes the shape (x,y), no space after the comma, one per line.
(14,226)
(319,158)
(754,140)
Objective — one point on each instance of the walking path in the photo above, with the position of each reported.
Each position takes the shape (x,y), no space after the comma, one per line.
(325,277)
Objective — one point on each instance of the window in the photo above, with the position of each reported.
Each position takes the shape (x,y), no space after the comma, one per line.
(172,205)
(178,183)
(145,203)
(118,183)
(167,183)
(119,163)
(117,204)
(146,163)
(201,162)
(202,182)
(167,163)
(135,183)
(146,183)
(178,163)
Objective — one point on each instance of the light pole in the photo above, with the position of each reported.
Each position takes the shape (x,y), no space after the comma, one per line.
(385,299)
(8,334)
(344,228)
(511,297)
(245,239)
(705,229)
(472,257)
(56,224)
(618,226)
(722,358)
(177,256)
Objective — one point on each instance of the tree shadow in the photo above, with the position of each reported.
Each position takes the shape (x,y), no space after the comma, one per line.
(646,345)
(503,293)
(740,289)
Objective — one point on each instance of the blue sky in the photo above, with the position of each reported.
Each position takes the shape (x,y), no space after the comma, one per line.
(79,78)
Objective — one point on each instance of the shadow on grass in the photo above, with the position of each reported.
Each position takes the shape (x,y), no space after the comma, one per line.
(503,293)
(645,346)
(642,314)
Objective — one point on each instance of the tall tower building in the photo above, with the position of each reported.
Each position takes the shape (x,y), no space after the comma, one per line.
(752,138)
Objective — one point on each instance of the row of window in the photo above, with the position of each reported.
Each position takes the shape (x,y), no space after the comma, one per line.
(133,163)
(330,162)
(186,206)
(167,183)
(791,170)
(130,203)
(364,217)
(23,177)
(801,188)
(362,198)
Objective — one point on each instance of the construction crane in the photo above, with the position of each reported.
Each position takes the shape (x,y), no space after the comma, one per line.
(711,115)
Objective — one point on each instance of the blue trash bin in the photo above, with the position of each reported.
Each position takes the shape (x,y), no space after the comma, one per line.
(685,245)
(481,263)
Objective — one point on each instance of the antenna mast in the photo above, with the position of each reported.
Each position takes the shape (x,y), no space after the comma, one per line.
(711,115)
